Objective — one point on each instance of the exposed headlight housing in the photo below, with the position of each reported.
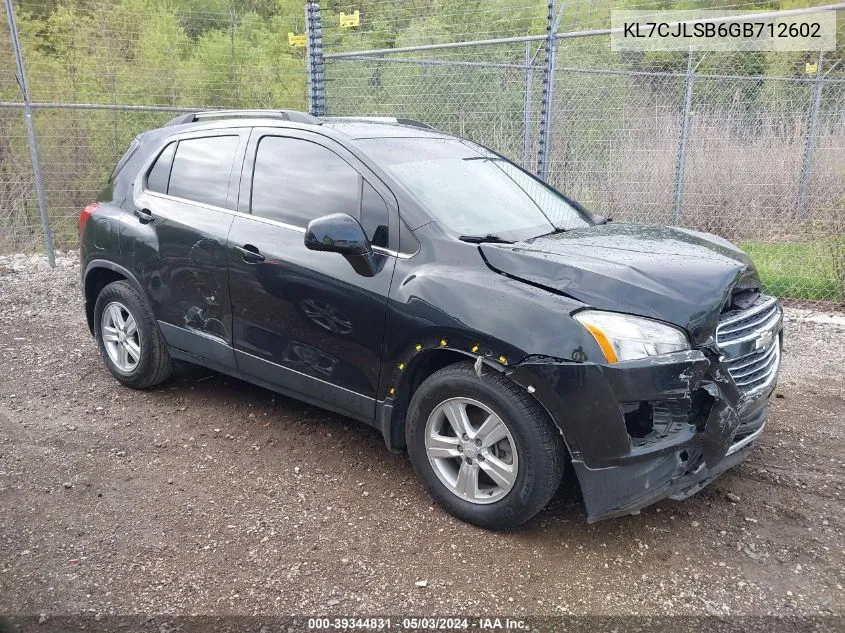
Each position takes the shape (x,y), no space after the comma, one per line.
(625,337)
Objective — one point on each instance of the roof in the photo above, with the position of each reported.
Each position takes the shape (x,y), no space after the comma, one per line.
(352,127)
(360,128)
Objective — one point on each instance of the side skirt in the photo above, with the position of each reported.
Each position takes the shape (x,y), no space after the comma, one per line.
(214,354)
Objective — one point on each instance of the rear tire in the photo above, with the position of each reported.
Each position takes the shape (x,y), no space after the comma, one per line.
(128,337)
(496,476)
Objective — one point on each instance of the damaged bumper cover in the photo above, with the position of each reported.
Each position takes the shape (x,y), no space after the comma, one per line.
(641,431)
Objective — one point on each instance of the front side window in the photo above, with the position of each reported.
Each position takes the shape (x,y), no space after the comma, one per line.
(201,169)
(296,181)
(471,190)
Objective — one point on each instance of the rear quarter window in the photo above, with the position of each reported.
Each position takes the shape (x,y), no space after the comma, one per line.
(159,177)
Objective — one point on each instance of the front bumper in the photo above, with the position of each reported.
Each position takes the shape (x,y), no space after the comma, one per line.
(701,424)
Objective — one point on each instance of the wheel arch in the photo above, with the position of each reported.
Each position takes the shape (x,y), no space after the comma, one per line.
(407,379)
(419,368)
(423,365)
(99,273)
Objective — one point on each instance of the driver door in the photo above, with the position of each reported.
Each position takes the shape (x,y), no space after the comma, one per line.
(304,322)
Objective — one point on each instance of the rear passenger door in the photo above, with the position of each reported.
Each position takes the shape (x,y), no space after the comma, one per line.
(305,321)
(185,205)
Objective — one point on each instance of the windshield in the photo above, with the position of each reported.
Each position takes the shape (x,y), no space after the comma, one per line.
(472,191)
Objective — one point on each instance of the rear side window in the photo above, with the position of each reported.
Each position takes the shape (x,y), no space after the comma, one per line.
(201,169)
(374,216)
(159,176)
(295,181)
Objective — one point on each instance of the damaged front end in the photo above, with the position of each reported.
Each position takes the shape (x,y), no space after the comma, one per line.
(665,426)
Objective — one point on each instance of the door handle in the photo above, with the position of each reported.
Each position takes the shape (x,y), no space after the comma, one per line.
(250,254)
(144,215)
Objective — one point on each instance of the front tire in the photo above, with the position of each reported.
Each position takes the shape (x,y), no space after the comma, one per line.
(484,448)
(128,337)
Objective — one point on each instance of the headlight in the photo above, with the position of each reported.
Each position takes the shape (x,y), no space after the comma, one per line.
(625,337)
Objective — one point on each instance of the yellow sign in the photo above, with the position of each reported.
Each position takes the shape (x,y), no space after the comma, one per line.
(811,69)
(347,21)
(295,40)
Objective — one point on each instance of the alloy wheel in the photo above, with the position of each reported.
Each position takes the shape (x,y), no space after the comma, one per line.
(471,450)
(121,337)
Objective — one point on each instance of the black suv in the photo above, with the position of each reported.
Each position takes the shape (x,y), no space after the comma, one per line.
(433,289)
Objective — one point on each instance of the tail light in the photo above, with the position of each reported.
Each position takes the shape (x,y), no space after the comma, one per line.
(87,212)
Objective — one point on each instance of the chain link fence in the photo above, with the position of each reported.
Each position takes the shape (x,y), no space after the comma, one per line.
(99,73)
(750,145)
(746,145)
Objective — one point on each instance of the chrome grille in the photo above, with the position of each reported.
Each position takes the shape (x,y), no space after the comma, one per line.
(738,325)
(756,369)
(750,342)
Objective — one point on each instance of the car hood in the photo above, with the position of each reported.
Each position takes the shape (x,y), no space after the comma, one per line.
(676,275)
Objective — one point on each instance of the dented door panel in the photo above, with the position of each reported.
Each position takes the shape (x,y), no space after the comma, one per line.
(182,265)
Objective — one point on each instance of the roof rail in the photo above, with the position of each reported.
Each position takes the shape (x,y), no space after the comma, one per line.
(210,115)
(386,119)
(415,123)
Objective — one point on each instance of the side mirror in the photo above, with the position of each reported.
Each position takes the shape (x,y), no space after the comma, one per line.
(341,233)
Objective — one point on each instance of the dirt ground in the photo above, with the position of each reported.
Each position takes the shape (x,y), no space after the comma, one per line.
(207,495)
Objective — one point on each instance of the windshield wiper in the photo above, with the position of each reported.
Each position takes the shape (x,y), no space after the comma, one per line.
(481,239)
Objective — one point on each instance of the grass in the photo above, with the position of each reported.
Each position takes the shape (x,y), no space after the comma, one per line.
(795,270)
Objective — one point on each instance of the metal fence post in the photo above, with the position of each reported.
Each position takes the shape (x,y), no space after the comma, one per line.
(682,145)
(526,106)
(314,58)
(546,111)
(309,80)
(810,144)
(30,134)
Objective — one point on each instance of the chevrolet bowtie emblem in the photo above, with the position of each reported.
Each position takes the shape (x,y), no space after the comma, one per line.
(764,341)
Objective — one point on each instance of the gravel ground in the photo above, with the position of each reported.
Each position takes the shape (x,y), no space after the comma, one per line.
(207,495)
